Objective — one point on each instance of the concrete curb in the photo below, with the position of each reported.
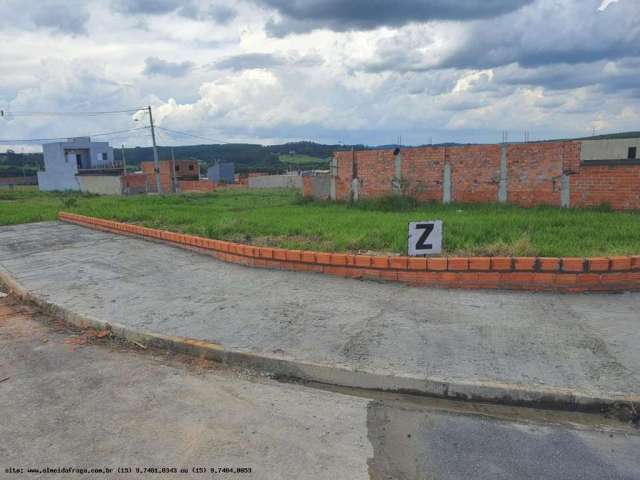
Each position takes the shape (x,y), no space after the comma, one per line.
(282,367)
(557,274)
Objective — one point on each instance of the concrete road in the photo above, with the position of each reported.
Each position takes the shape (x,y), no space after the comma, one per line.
(583,342)
(69,399)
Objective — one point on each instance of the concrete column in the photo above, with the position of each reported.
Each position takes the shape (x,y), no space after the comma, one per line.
(333,173)
(355,189)
(446,184)
(565,193)
(502,188)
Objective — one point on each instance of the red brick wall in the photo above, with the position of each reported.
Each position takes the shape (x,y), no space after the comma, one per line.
(344,175)
(618,186)
(196,186)
(134,180)
(376,171)
(184,168)
(534,175)
(475,173)
(307,187)
(422,173)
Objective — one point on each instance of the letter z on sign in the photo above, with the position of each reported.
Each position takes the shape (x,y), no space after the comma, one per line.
(425,238)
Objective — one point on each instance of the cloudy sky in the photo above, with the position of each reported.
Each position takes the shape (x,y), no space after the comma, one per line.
(364,71)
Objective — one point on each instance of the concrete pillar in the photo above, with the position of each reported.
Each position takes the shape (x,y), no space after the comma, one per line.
(502,188)
(333,173)
(446,184)
(355,189)
(565,193)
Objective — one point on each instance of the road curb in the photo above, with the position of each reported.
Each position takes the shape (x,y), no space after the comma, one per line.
(535,274)
(282,367)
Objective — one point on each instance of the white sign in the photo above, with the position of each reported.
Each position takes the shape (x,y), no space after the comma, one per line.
(425,238)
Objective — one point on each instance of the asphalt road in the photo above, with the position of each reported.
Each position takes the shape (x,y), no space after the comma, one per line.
(587,343)
(71,399)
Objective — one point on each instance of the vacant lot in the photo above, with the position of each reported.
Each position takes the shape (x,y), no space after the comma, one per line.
(282,218)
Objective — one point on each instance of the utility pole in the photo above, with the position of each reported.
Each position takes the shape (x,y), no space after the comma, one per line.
(124,161)
(174,181)
(156,161)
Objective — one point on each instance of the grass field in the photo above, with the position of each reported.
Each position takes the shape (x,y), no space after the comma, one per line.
(282,218)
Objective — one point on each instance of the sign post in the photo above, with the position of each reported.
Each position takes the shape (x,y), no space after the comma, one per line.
(425,238)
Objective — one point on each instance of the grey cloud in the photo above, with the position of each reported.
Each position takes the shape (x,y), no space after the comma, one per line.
(548,32)
(67,17)
(552,77)
(151,7)
(157,66)
(556,45)
(303,16)
(186,8)
(396,60)
(609,77)
(248,61)
(222,14)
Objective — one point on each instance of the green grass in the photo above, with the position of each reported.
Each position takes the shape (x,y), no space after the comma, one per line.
(302,159)
(281,218)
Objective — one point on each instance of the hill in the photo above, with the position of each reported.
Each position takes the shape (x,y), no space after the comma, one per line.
(265,158)
(246,156)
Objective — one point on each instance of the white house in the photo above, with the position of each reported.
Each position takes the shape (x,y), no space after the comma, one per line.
(63,161)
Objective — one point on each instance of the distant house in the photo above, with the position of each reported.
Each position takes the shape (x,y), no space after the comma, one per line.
(65,162)
(183,170)
(222,173)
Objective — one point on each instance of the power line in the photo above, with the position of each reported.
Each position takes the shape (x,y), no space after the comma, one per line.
(31,140)
(192,135)
(4,113)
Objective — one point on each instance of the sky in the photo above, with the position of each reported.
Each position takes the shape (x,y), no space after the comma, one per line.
(329,71)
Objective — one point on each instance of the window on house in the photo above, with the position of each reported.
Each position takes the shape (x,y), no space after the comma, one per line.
(104,156)
(633,153)
(177,168)
(190,167)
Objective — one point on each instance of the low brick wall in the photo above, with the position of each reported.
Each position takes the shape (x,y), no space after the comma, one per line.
(529,174)
(594,274)
(196,186)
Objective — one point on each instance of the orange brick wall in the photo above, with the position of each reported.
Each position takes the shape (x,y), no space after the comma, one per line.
(307,187)
(344,174)
(375,170)
(422,173)
(535,172)
(196,186)
(534,175)
(134,180)
(184,168)
(618,186)
(475,172)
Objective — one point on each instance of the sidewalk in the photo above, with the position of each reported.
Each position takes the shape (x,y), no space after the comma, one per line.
(490,345)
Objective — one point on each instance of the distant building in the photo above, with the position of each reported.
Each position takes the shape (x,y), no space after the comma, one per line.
(65,162)
(222,173)
(184,170)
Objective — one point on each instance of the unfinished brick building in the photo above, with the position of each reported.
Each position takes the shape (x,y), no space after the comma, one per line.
(184,170)
(562,173)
